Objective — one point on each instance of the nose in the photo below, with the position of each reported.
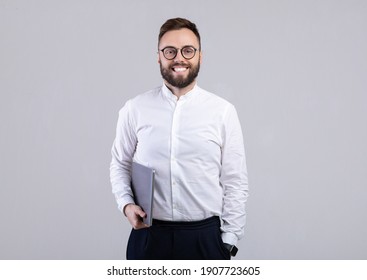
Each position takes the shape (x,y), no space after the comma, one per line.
(179,57)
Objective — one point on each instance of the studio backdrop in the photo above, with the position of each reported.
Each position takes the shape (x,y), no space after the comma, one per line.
(295,70)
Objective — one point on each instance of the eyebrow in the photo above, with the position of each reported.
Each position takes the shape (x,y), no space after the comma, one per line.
(179,48)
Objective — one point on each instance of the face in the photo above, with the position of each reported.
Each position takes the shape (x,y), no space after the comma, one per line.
(179,72)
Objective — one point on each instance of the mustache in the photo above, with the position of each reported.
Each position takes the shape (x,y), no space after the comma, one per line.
(180,65)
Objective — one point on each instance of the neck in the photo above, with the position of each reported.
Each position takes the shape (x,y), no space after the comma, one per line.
(178,92)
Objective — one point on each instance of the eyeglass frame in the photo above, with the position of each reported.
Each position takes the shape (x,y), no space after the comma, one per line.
(188,46)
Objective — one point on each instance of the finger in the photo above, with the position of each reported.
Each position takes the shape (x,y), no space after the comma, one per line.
(141,213)
(140,225)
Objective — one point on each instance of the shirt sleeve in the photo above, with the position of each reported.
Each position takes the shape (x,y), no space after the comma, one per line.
(123,149)
(233,179)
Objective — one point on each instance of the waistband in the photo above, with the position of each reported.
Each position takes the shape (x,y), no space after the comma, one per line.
(212,221)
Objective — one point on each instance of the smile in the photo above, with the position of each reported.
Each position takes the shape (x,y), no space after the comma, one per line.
(179,69)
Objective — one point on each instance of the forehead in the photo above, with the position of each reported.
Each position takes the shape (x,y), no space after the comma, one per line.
(179,38)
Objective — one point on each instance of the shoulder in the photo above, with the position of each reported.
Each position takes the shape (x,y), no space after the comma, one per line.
(213,99)
(147,96)
(141,99)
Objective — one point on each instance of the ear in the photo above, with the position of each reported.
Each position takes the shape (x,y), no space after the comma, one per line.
(201,57)
(158,58)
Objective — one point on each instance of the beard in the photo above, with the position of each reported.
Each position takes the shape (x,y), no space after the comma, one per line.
(180,82)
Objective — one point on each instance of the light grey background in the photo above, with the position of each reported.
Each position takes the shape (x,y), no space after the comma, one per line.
(295,70)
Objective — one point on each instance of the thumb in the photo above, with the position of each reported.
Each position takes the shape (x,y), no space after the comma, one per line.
(141,213)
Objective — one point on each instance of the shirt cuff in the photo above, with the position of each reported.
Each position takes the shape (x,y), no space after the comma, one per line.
(229,238)
(123,202)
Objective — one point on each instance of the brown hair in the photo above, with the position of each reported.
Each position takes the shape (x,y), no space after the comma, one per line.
(176,24)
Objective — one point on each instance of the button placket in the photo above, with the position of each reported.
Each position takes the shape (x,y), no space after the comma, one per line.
(173,160)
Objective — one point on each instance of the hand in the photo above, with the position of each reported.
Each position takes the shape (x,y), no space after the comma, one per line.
(135,215)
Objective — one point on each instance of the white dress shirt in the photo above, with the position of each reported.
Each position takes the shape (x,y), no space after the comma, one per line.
(195,145)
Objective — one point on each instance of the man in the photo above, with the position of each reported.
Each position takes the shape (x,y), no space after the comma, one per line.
(193,140)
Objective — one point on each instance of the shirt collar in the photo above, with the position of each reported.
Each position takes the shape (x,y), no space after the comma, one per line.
(168,93)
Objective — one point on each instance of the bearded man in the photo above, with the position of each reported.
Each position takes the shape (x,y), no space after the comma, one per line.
(193,140)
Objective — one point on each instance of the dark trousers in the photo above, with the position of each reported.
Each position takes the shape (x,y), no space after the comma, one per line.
(199,240)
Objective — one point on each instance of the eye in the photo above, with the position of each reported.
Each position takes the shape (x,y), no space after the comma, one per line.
(188,50)
(169,52)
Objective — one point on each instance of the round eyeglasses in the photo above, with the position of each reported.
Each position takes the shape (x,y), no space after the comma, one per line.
(187,52)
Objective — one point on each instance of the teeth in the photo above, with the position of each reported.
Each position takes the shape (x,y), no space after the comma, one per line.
(179,69)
